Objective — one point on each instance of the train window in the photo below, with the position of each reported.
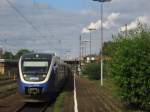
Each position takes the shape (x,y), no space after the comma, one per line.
(35,64)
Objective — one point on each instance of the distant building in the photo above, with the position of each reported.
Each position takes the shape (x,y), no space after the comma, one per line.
(8,67)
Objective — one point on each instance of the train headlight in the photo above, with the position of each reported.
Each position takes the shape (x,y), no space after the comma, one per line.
(24,75)
(44,75)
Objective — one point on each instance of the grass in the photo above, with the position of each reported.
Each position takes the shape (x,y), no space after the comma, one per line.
(108,88)
(59,102)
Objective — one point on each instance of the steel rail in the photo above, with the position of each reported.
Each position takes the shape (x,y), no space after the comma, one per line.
(33,107)
(2,83)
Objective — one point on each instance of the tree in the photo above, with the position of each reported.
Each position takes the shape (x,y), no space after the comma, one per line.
(130,68)
(109,48)
(8,55)
(21,52)
(92,70)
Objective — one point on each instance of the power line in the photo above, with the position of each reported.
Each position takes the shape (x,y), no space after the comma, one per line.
(40,11)
(43,17)
(36,5)
(24,17)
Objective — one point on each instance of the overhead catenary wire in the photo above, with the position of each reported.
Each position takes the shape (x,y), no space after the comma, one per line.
(24,17)
(36,5)
(29,22)
(43,17)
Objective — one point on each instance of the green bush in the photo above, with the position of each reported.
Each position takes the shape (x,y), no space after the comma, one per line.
(130,67)
(92,70)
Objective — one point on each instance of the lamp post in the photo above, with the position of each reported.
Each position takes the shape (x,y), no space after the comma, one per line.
(101,48)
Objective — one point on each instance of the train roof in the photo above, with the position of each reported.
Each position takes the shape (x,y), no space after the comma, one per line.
(38,55)
(31,54)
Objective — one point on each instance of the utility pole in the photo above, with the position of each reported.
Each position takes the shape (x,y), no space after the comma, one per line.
(91,29)
(84,44)
(126,30)
(80,47)
(60,48)
(84,48)
(90,42)
(101,53)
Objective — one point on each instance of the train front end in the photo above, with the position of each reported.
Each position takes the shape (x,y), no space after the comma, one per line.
(34,77)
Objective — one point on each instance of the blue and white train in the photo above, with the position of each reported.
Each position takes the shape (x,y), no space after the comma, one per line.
(41,76)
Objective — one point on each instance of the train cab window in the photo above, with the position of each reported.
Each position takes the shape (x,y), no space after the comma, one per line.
(35,66)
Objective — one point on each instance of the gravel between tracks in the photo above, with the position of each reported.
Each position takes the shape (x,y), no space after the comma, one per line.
(11,103)
(90,98)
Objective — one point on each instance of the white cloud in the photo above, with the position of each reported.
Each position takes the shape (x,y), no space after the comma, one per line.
(85,30)
(95,25)
(134,24)
(110,22)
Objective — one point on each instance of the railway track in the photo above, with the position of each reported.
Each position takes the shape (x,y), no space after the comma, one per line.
(7,82)
(7,89)
(34,107)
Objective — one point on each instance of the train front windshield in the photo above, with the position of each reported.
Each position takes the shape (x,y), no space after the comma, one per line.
(35,70)
(35,66)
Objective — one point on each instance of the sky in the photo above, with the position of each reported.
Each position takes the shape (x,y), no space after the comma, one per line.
(55,25)
(64,4)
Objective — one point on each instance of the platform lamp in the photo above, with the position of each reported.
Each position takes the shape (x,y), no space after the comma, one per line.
(101,48)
